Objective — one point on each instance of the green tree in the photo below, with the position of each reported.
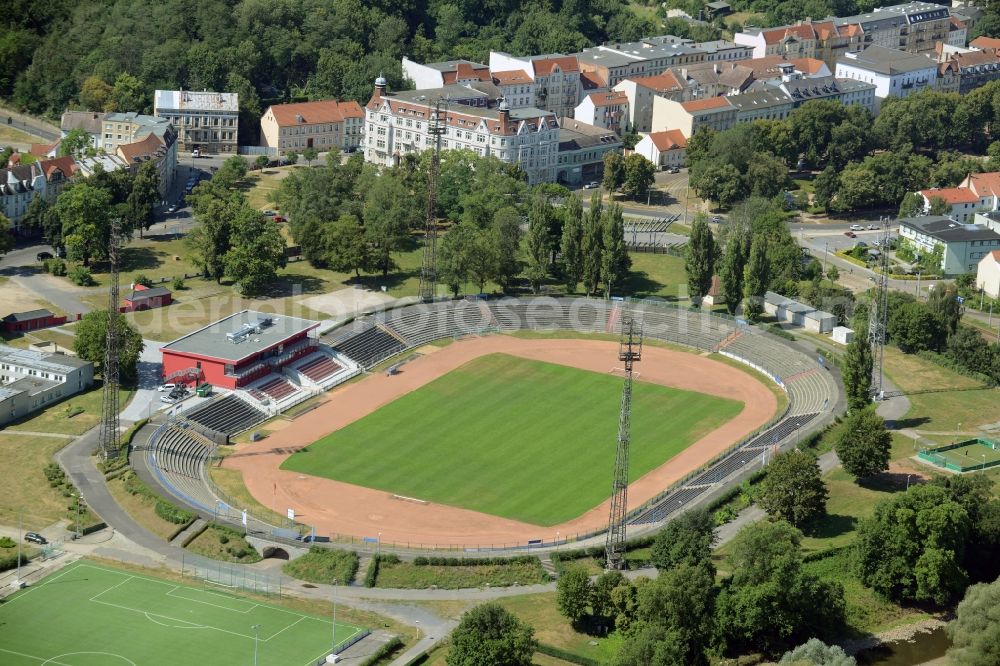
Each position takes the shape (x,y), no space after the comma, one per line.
(734,259)
(538,241)
(257,252)
(507,236)
(911,547)
(913,327)
(912,205)
(6,234)
(614,171)
(601,600)
(38,217)
(718,181)
(767,175)
(699,260)
(261,162)
(347,249)
(755,279)
(128,95)
(573,594)
(943,302)
(651,645)
(85,227)
(76,143)
(572,243)
(857,373)
(292,157)
(490,634)
(682,600)
(453,257)
(309,154)
(770,603)
(793,488)
(210,239)
(864,444)
(815,652)
(389,214)
(91,339)
(975,631)
(639,176)
(593,244)
(95,94)
(687,539)
(938,206)
(142,198)
(615,261)
(825,188)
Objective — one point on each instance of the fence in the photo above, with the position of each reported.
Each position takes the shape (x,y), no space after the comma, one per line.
(935,456)
(258,150)
(234,577)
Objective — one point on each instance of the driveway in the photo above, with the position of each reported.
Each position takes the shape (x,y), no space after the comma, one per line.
(147,398)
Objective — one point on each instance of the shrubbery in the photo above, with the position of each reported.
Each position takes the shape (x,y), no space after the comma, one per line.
(172,514)
(81,276)
(472,561)
(371,576)
(7,542)
(55,266)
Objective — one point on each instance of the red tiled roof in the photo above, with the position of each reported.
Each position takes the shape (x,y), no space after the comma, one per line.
(591,80)
(996,255)
(668,140)
(147,146)
(65,164)
(985,184)
(767,67)
(665,82)
(957,24)
(706,104)
(974,58)
(804,31)
(985,43)
(315,113)
(42,149)
(951,195)
(567,64)
(464,71)
(611,98)
(511,77)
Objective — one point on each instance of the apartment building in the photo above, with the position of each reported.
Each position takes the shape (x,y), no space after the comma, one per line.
(772,68)
(640,91)
(975,69)
(31,380)
(19,184)
(763,104)
(712,79)
(848,92)
(321,125)
(963,202)
(582,147)
(207,121)
(618,61)
(516,87)
(665,149)
(556,78)
(894,73)
(688,117)
(439,74)
(962,245)
(398,123)
(607,110)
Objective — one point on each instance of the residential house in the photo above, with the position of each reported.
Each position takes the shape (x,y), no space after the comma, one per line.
(958,31)
(763,104)
(975,69)
(556,78)
(401,123)
(439,74)
(617,61)
(608,110)
(722,51)
(988,274)
(516,88)
(772,68)
(581,151)
(713,79)
(161,150)
(19,184)
(962,201)
(894,73)
(321,125)
(665,149)
(641,90)
(984,43)
(207,121)
(986,187)
(845,91)
(714,112)
(962,245)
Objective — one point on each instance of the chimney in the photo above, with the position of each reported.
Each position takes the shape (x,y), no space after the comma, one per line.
(504,115)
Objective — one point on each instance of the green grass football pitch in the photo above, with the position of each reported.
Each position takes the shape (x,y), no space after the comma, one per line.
(971,456)
(89,615)
(512,437)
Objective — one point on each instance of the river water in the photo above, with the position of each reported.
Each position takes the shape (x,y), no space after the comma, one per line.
(924,647)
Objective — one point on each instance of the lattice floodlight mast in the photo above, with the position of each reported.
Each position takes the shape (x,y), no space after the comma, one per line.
(110,433)
(436,128)
(629,352)
(878,313)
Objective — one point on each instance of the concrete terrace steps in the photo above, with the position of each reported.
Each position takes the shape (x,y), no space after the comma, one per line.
(193,528)
(229,414)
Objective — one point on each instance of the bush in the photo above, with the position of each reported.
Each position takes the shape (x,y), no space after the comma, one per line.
(324,565)
(178,284)
(565,655)
(10,561)
(372,574)
(780,332)
(55,267)
(171,513)
(7,542)
(473,561)
(81,276)
(384,651)
(143,280)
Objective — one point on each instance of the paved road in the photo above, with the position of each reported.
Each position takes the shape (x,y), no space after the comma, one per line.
(40,128)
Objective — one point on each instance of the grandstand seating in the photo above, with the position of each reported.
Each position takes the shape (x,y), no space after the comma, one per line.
(319,368)
(180,455)
(228,414)
(369,346)
(278,388)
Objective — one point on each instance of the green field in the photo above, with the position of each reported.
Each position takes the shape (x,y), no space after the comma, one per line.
(520,439)
(970,456)
(88,615)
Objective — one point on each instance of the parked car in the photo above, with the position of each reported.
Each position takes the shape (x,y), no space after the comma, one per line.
(857,227)
(167,387)
(850,234)
(673,169)
(43,256)
(268,213)
(35,537)
(196,153)
(717,219)
(872,227)
(592,185)
(280,218)
(169,399)
(172,208)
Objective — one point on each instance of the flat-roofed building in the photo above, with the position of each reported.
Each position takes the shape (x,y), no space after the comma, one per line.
(962,246)
(894,73)
(581,151)
(31,380)
(439,74)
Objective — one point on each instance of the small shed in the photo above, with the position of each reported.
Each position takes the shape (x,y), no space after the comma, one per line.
(818,321)
(714,295)
(843,335)
(147,298)
(774,304)
(31,320)
(795,313)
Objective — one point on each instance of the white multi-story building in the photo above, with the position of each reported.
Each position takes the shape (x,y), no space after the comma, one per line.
(208,121)
(762,104)
(516,88)
(688,117)
(962,245)
(617,61)
(397,124)
(556,78)
(607,110)
(641,90)
(31,380)
(894,73)
(321,125)
(19,184)
(801,89)
(665,149)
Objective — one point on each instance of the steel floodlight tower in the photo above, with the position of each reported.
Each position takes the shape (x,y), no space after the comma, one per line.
(629,352)
(436,127)
(110,434)
(878,313)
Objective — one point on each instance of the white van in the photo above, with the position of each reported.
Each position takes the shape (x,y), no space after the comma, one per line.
(196,153)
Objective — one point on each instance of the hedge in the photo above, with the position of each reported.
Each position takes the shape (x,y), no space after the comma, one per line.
(383,652)
(422,561)
(372,574)
(948,362)
(565,655)
(598,551)
(10,561)
(171,513)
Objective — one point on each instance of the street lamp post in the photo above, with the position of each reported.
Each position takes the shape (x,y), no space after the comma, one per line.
(908,481)
(334,646)
(378,545)
(20,538)
(826,246)
(256,641)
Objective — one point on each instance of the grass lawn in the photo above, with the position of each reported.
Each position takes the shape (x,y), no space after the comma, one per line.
(660,275)
(25,486)
(73,416)
(322,565)
(541,612)
(142,508)
(848,503)
(222,543)
(11,135)
(971,456)
(231,483)
(410,576)
(521,439)
(100,610)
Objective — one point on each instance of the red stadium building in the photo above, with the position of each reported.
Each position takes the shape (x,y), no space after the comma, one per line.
(239,349)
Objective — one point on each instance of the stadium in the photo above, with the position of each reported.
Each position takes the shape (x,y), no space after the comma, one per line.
(491,424)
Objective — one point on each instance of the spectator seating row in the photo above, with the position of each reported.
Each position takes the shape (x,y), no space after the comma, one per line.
(319,367)
(228,414)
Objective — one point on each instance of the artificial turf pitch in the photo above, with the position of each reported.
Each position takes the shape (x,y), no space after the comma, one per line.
(90,615)
(971,457)
(512,437)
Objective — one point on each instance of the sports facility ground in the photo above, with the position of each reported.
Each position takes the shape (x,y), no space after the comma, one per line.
(513,437)
(339,507)
(90,615)
(965,456)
